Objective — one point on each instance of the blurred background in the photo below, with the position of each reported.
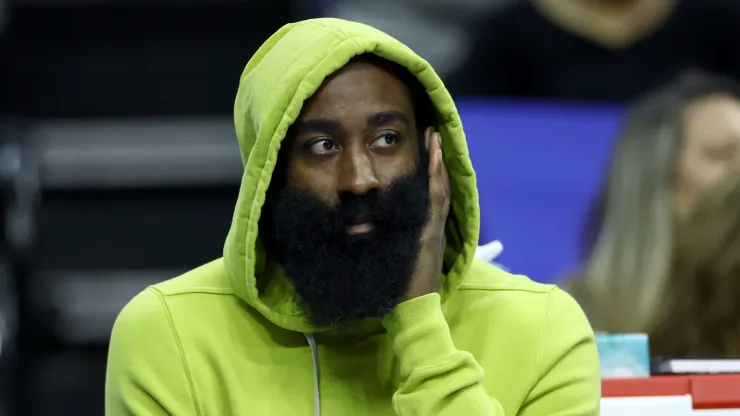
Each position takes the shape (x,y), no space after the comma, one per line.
(119,165)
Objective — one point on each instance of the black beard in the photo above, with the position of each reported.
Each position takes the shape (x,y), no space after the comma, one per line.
(340,277)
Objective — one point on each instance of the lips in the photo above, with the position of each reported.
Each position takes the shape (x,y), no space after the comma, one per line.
(359,227)
(359,221)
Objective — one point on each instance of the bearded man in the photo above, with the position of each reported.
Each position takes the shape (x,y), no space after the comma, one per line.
(348,284)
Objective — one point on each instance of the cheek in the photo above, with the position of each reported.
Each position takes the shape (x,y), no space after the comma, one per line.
(397,166)
(317,181)
(392,172)
(697,173)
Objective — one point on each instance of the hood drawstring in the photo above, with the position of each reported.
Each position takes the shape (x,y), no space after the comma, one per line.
(315,357)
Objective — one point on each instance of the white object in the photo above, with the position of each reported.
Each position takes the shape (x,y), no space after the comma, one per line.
(489,252)
(689,366)
(647,406)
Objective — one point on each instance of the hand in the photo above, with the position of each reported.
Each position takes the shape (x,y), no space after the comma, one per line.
(428,270)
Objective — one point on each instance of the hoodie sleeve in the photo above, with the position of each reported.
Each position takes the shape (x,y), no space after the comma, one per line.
(437,379)
(147,373)
(569,381)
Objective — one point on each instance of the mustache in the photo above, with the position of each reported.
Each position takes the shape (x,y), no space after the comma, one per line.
(352,209)
(385,207)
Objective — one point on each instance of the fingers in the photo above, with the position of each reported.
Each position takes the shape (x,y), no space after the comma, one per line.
(439,181)
(443,174)
(429,145)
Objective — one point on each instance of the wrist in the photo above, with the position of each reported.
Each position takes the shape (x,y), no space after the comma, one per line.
(419,332)
(414,311)
(426,276)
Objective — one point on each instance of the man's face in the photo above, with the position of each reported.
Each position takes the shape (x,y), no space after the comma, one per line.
(346,221)
(357,133)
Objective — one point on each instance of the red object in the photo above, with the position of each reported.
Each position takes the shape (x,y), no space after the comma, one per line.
(716,392)
(707,391)
(648,386)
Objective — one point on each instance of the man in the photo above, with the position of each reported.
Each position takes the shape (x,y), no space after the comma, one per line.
(348,284)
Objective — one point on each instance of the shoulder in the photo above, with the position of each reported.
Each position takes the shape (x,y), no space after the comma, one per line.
(143,334)
(141,314)
(147,368)
(208,278)
(541,316)
(521,297)
(149,316)
(144,320)
(148,330)
(483,276)
(535,334)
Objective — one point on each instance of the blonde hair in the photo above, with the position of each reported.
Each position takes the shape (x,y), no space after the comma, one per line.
(629,237)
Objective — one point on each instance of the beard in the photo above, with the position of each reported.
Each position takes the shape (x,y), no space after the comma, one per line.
(341,277)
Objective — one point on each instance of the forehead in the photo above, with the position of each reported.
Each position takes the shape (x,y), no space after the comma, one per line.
(358,89)
(712,119)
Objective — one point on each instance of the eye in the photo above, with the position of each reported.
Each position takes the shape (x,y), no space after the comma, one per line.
(322,147)
(386,140)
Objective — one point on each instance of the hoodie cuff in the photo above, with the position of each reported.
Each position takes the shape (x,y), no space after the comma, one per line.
(420,334)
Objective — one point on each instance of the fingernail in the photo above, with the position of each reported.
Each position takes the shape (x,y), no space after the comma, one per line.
(439,139)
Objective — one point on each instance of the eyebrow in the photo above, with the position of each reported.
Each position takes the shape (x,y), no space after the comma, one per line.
(331,126)
(318,125)
(385,117)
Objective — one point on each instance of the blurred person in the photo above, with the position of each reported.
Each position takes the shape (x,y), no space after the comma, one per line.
(675,143)
(438,30)
(699,314)
(613,50)
(348,284)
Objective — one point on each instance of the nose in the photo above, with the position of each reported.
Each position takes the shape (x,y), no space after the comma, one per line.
(356,171)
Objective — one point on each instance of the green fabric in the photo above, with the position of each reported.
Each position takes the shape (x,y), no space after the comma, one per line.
(228,338)
(297,59)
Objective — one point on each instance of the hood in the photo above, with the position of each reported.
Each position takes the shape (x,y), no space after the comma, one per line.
(286,70)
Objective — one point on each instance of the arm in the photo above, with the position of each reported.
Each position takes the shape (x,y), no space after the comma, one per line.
(147,374)
(437,379)
(569,382)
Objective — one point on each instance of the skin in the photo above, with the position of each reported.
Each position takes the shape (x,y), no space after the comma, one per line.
(710,150)
(357,133)
(613,24)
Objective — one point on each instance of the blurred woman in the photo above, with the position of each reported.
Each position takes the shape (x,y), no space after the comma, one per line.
(699,313)
(675,143)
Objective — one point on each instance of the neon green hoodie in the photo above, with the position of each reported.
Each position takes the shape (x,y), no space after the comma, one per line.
(228,339)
